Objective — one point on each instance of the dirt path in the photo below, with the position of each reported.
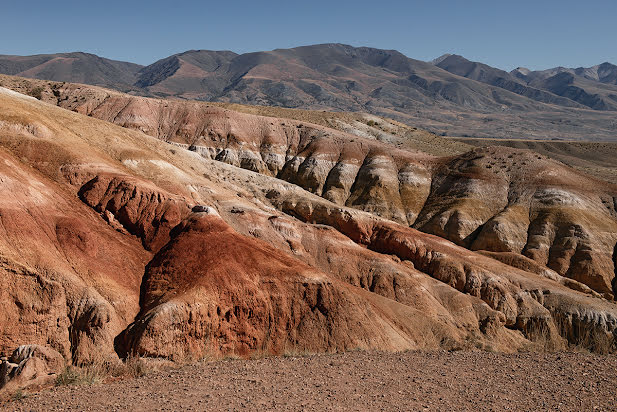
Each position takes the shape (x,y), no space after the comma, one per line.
(473,381)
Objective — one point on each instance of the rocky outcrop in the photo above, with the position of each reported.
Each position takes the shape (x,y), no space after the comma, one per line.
(505,200)
(137,206)
(68,279)
(30,366)
(70,282)
(211,289)
(493,199)
(518,295)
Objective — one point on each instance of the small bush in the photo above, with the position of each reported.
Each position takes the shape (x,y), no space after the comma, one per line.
(371,123)
(73,376)
(37,93)
(575,336)
(19,395)
(136,367)
(231,356)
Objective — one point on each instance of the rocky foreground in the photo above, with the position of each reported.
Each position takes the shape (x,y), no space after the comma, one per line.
(467,381)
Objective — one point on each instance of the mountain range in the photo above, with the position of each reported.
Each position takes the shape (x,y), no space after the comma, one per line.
(449,96)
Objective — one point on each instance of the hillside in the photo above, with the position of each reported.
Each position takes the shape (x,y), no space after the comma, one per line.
(177,230)
(594,158)
(73,67)
(592,88)
(443,196)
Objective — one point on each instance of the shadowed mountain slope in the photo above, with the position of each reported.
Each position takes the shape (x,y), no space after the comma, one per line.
(72,67)
(495,77)
(603,73)
(593,88)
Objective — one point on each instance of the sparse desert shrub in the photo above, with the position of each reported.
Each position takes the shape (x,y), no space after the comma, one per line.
(136,367)
(371,123)
(36,92)
(577,336)
(132,367)
(585,338)
(72,375)
(19,395)
(541,336)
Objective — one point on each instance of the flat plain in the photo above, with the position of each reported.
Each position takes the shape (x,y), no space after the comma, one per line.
(439,380)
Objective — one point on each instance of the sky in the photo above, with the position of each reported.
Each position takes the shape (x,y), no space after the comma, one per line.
(536,34)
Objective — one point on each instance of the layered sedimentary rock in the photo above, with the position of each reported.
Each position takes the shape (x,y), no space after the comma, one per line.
(114,242)
(30,366)
(213,289)
(69,280)
(495,199)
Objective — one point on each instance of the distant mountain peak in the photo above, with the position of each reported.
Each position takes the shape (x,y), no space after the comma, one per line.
(440,58)
(522,70)
(206,51)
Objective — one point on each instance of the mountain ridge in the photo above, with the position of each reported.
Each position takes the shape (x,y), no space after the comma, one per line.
(452,96)
(78,67)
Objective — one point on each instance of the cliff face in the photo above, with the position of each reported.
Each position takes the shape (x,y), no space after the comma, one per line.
(250,233)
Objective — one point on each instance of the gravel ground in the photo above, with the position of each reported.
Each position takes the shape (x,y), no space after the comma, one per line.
(474,381)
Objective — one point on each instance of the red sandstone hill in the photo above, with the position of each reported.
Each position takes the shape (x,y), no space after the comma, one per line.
(199,230)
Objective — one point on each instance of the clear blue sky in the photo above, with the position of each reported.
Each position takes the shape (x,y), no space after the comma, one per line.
(536,34)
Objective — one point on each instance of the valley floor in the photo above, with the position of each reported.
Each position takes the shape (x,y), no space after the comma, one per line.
(474,381)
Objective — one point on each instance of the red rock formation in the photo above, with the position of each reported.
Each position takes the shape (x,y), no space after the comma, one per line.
(211,289)
(495,199)
(85,204)
(69,280)
(29,366)
(138,206)
(518,295)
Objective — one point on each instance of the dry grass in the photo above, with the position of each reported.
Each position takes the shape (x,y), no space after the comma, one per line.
(133,367)
(569,334)
(36,92)
(293,351)
(260,354)
(592,340)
